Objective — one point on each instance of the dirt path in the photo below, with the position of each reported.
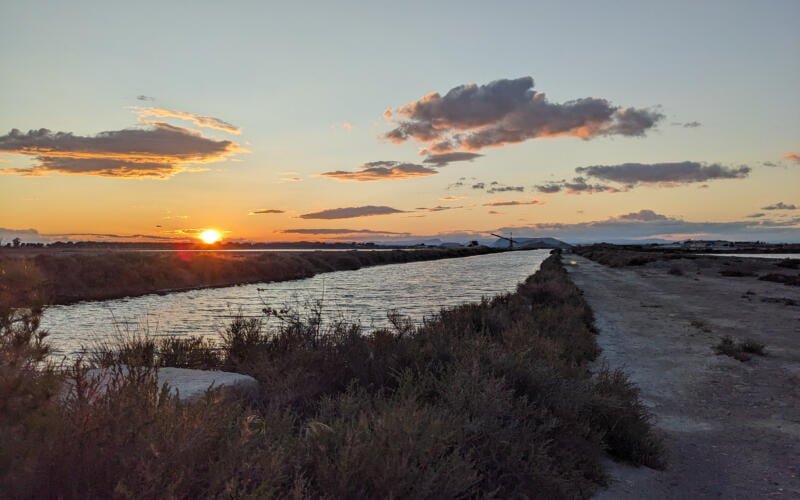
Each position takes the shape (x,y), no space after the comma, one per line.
(732,429)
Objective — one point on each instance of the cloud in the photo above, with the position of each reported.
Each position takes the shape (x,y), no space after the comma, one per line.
(649,225)
(340,231)
(438,208)
(780,206)
(142,97)
(266,211)
(511,203)
(145,114)
(25,235)
(382,170)
(351,212)
(642,216)
(791,156)
(769,164)
(441,160)
(77,236)
(692,124)
(473,117)
(670,174)
(158,151)
(578,185)
(756,215)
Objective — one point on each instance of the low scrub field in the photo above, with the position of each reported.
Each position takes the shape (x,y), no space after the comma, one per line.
(492,399)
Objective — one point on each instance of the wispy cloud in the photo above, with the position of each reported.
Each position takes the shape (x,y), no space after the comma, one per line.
(473,117)
(497,187)
(158,151)
(692,124)
(266,211)
(577,185)
(336,231)
(437,208)
(780,206)
(352,212)
(382,170)
(146,114)
(792,156)
(512,203)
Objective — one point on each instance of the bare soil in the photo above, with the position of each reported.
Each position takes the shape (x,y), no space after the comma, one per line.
(732,429)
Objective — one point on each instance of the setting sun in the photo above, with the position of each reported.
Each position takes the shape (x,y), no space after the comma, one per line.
(210,236)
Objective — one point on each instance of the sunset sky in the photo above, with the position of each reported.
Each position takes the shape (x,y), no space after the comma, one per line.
(398,120)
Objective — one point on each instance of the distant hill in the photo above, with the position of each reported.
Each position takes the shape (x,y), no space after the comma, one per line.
(531,243)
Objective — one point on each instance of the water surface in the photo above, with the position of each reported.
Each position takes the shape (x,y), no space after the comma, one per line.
(415,289)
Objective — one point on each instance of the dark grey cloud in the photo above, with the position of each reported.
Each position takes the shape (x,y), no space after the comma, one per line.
(382,170)
(756,215)
(577,185)
(438,208)
(512,203)
(684,172)
(440,160)
(505,189)
(780,206)
(473,117)
(331,231)
(351,212)
(644,215)
(142,97)
(266,211)
(769,164)
(692,124)
(158,151)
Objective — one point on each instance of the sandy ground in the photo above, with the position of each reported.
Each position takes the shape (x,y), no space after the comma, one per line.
(732,428)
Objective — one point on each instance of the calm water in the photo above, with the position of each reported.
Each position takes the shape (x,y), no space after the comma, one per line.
(415,289)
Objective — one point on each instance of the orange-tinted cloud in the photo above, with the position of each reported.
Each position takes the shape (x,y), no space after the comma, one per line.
(473,117)
(158,151)
(512,203)
(382,170)
(791,156)
(145,115)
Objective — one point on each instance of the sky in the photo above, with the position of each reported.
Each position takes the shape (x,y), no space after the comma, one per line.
(382,121)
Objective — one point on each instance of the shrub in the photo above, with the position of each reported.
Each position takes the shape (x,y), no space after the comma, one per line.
(741,351)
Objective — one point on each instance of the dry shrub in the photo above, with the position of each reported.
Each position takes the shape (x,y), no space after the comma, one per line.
(486,399)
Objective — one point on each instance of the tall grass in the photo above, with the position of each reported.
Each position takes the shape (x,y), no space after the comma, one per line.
(487,399)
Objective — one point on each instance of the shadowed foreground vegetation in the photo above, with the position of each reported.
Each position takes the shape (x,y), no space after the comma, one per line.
(489,399)
(67,277)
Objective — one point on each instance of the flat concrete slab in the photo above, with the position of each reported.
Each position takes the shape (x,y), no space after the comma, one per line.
(185,383)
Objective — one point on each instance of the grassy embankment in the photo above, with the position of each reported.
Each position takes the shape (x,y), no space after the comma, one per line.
(486,399)
(71,277)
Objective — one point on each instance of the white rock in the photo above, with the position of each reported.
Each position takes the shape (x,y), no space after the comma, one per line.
(183,382)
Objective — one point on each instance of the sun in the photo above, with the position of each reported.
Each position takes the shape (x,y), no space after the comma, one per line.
(210,236)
